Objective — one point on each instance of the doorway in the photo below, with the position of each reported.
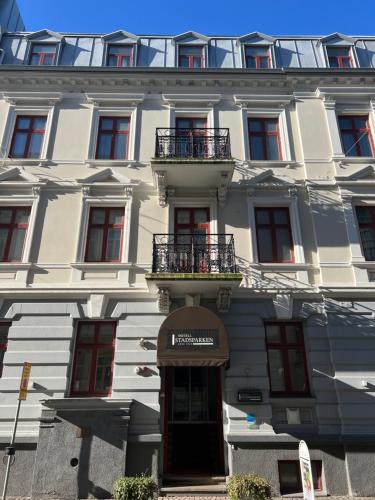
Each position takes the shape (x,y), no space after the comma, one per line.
(193,427)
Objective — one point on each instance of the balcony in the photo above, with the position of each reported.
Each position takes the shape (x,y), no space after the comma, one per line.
(192,158)
(188,263)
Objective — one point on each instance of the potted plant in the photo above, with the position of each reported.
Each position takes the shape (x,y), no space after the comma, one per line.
(248,487)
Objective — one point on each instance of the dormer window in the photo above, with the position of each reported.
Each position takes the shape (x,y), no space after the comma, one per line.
(120,56)
(339,57)
(191,56)
(257,57)
(43,54)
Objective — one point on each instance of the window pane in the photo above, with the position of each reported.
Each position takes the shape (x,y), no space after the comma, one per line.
(363,214)
(48,60)
(23,122)
(35,145)
(97,216)
(251,62)
(182,123)
(180,406)
(273,333)
(22,216)
(345,122)
(338,51)
(19,144)
(197,62)
(104,146)
(184,62)
(83,369)
(16,245)
(183,216)
(364,143)
(4,333)
(276,367)
(333,62)
(280,216)
(94,252)
(200,216)
(112,60)
(297,370)
(3,241)
(272,148)
(114,243)
(45,48)
(120,147)
(283,243)
(346,63)
(360,122)
(290,481)
(263,216)
(86,333)
(265,245)
(257,51)
(348,140)
(106,333)
(368,242)
(256,148)
(35,59)
(270,125)
(39,123)
(122,124)
(198,394)
(103,370)
(255,125)
(5,215)
(116,216)
(106,124)
(293,334)
(264,62)
(193,51)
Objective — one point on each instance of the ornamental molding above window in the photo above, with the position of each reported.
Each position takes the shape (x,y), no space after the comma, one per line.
(366,173)
(19,177)
(337,39)
(267,179)
(246,100)
(256,38)
(110,179)
(121,36)
(32,98)
(45,36)
(193,99)
(118,99)
(190,37)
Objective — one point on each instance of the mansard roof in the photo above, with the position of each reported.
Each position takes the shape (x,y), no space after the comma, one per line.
(257,37)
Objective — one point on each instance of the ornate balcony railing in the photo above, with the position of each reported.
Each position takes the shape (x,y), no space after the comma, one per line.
(193,143)
(189,253)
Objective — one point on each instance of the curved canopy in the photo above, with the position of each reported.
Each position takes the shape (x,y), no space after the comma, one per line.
(192,336)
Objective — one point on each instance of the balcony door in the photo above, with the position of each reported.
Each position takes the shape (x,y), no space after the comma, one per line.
(192,230)
(191,137)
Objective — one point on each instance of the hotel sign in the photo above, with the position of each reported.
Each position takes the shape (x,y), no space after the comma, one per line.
(189,338)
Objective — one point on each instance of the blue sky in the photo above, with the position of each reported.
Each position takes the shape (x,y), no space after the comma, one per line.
(205,16)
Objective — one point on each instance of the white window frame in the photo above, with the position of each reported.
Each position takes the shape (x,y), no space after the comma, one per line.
(31,109)
(202,44)
(333,111)
(184,112)
(32,200)
(177,202)
(271,202)
(280,115)
(113,201)
(98,112)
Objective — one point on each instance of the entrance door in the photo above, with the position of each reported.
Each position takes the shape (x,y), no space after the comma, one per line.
(193,434)
(192,229)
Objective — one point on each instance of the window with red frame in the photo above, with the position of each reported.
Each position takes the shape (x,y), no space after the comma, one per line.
(274,234)
(120,56)
(113,138)
(356,135)
(105,234)
(366,223)
(257,57)
(4,329)
(93,360)
(191,56)
(264,139)
(339,57)
(43,54)
(28,137)
(14,222)
(287,366)
(290,476)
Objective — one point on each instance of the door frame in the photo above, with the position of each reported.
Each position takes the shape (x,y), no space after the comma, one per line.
(220,422)
(205,202)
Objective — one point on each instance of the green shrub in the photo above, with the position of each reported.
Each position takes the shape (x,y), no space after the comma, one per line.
(248,487)
(134,488)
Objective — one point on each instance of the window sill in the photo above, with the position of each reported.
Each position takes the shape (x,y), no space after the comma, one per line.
(317,493)
(274,266)
(15,265)
(109,163)
(366,264)
(289,400)
(26,161)
(354,159)
(84,266)
(273,163)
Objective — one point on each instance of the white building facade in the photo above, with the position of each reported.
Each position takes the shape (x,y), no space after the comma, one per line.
(187,258)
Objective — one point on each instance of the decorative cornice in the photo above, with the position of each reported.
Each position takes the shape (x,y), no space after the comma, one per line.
(50,98)
(102,99)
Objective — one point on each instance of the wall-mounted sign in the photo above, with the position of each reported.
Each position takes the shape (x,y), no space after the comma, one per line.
(250,419)
(249,396)
(193,338)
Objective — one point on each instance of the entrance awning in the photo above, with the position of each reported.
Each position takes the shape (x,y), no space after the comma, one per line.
(192,336)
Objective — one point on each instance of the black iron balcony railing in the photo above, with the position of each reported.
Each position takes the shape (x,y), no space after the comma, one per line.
(191,253)
(193,143)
